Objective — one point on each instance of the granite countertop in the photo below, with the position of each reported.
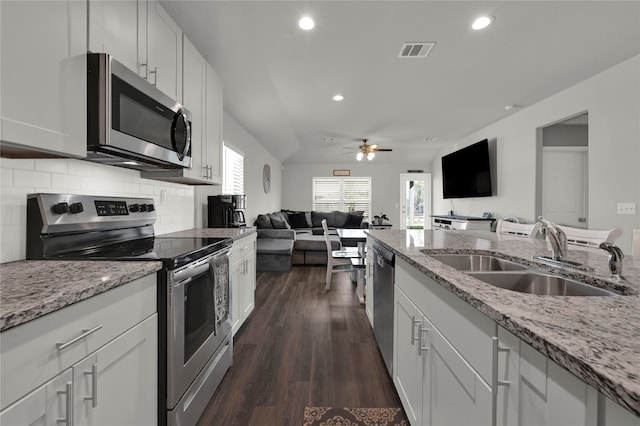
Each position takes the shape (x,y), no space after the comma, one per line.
(596,338)
(32,288)
(234,233)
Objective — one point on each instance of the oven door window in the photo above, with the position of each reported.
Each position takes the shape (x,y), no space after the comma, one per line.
(199,313)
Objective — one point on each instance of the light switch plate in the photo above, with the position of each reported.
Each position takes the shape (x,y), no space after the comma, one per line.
(626,208)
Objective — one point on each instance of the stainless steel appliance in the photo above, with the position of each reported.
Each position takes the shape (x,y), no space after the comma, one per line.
(130,123)
(195,342)
(226,211)
(383,303)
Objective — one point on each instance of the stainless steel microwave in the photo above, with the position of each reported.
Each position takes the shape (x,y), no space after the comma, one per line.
(131,123)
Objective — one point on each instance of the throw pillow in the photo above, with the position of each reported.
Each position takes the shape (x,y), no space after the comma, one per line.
(340,219)
(298,220)
(263,222)
(316,218)
(278,221)
(353,221)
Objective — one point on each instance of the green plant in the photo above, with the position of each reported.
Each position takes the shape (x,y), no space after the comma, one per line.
(380,218)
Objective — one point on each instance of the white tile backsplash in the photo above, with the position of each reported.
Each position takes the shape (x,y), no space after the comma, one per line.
(69,176)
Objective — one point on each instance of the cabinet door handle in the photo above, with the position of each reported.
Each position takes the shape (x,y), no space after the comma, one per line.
(94,385)
(205,172)
(140,65)
(420,341)
(154,71)
(414,322)
(68,391)
(85,333)
(494,379)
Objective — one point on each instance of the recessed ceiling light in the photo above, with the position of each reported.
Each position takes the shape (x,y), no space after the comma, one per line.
(338,97)
(306,23)
(482,22)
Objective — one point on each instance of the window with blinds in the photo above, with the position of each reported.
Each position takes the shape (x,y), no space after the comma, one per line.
(343,194)
(233,179)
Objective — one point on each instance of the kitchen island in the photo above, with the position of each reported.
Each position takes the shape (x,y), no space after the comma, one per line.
(597,339)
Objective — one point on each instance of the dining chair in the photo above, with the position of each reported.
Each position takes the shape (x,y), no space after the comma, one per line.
(335,262)
(504,227)
(590,237)
(635,243)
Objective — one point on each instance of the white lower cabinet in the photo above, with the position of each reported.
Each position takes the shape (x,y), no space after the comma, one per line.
(92,363)
(243,280)
(503,381)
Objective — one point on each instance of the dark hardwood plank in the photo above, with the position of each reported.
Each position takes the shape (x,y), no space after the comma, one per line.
(301,346)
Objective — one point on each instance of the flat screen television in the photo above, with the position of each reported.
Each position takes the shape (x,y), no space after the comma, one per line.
(466,173)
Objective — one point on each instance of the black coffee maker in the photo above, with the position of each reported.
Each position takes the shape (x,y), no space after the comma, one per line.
(226,211)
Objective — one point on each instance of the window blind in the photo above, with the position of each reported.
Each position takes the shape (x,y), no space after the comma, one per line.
(233,179)
(343,194)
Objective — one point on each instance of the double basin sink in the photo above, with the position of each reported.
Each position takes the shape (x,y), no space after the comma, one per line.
(516,277)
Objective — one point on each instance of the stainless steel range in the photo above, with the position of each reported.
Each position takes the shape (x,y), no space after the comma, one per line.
(195,342)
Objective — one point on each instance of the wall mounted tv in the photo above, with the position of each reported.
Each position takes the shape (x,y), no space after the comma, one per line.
(466,173)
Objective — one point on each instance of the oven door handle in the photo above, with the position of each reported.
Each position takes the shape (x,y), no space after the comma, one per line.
(212,275)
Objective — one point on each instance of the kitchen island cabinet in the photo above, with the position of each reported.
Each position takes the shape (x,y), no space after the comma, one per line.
(567,359)
(243,279)
(43,79)
(94,361)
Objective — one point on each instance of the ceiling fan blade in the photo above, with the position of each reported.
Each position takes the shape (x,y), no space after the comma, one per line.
(382,149)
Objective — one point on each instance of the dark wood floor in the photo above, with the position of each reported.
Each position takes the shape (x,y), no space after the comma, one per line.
(300,347)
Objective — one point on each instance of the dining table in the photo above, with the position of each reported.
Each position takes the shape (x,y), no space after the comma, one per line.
(357,257)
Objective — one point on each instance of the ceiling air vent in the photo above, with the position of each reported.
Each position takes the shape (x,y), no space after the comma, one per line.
(415,50)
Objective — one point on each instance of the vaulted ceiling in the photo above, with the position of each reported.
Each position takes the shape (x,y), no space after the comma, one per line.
(279,80)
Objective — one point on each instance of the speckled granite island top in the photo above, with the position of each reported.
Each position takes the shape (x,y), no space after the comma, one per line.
(32,288)
(596,338)
(234,233)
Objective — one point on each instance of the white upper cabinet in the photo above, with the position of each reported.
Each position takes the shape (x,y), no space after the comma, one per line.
(164,51)
(143,37)
(43,78)
(120,29)
(213,134)
(193,98)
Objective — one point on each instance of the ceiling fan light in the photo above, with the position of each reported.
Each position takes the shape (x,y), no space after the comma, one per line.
(370,156)
(359,156)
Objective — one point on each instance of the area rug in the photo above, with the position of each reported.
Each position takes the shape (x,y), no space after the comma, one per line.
(335,416)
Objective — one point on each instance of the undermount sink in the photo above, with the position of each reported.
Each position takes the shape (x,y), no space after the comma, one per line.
(477,262)
(540,284)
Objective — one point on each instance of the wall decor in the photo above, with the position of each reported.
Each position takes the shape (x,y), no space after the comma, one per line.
(341,172)
(266,178)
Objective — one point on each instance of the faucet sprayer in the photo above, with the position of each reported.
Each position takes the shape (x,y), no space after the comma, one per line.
(615,258)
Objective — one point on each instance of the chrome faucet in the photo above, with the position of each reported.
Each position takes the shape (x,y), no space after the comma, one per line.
(557,238)
(615,258)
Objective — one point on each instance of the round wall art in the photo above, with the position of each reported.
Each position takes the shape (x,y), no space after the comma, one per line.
(266,178)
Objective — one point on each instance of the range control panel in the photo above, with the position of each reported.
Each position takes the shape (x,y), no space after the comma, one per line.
(66,212)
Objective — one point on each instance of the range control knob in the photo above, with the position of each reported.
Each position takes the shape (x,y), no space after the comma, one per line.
(60,208)
(150,207)
(143,207)
(76,208)
(133,208)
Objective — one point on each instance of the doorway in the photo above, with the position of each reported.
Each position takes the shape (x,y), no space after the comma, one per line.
(415,200)
(563,169)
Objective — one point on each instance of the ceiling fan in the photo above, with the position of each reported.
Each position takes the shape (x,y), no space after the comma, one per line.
(366,150)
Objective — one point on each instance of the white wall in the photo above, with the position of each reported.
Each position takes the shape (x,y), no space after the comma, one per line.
(385,184)
(255,157)
(62,176)
(612,99)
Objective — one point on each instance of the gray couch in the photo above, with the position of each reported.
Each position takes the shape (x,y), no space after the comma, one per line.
(305,229)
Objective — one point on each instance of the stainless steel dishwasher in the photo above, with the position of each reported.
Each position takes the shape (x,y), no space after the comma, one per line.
(383,281)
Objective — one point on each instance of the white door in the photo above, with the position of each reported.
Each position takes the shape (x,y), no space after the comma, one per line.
(564,185)
(415,200)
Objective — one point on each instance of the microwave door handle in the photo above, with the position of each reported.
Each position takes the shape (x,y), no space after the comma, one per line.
(186,134)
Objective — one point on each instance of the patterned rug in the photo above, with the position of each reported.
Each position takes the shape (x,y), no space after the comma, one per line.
(333,416)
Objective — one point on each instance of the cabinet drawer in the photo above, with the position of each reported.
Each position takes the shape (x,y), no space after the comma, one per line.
(29,353)
(242,247)
(468,330)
